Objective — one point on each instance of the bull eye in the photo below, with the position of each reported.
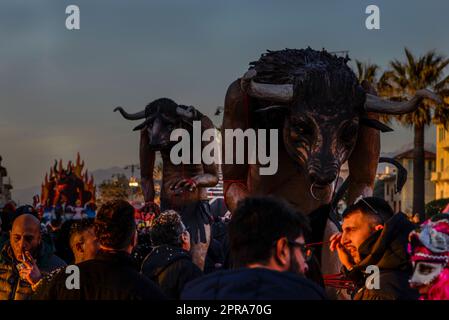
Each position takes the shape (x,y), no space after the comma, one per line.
(348,132)
(302,129)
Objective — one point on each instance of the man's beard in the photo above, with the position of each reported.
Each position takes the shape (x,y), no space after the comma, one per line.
(356,257)
(294,266)
(354,253)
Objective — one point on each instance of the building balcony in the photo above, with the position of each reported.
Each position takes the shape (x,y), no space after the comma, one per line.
(440,176)
(444,144)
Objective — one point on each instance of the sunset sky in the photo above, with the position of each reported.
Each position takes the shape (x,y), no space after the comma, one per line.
(58,87)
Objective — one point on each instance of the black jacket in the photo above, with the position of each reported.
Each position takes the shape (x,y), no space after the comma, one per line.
(171,268)
(252,284)
(215,257)
(386,249)
(110,276)
(12,287)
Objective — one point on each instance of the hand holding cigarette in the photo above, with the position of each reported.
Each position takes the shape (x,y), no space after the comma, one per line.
(28,269)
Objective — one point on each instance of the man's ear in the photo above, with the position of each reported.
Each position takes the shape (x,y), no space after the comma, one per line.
(282,252)
(79,247)
(378,227)
(184,237)
(134,239)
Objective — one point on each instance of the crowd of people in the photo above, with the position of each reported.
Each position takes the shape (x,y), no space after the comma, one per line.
(261,253)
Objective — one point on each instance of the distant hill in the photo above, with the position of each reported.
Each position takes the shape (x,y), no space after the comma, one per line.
(25,196)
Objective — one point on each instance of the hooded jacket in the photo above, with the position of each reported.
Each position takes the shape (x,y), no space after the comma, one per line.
(252,284)
(12,287)
(171,268)
(386,249)
(110,276)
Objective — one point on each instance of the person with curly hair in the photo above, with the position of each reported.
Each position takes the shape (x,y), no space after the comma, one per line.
(170,264)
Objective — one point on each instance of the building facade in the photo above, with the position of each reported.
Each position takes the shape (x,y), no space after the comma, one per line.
(403,201)
(441,175)
(5,185)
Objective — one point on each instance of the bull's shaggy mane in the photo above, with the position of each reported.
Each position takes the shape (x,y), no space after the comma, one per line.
(316,75)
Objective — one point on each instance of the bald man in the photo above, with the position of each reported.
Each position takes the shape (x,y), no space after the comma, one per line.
(25,259)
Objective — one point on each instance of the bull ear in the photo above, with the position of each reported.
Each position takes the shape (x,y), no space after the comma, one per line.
(145,123)
(142,125)
(375,124)
(187,122)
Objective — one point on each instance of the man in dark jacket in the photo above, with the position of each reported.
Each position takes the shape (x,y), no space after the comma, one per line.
(25,259)
(374,239)
(268,251)
(113,274)
(170,264)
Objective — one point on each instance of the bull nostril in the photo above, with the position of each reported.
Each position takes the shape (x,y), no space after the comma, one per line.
(331,177)
(322,178)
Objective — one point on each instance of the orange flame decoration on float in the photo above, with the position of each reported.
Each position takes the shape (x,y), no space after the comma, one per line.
(71,186)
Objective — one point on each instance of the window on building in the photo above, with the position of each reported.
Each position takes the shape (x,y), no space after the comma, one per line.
(429,164)
(441,134)
(410,165)
(442,164)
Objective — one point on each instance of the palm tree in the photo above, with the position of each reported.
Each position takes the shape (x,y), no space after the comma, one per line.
(367,71)
(400,83)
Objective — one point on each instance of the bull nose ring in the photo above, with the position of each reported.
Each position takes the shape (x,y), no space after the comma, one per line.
(312,194)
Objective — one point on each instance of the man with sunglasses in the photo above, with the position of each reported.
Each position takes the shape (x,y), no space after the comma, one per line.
(269,257)
(374,238)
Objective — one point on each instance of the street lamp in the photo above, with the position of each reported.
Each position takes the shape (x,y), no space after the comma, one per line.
(133,182)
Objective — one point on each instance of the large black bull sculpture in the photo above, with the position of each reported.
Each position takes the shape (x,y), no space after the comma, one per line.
(184,186)
(326,118)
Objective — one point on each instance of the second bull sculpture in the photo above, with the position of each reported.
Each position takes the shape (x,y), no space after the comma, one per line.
(183,186)
(326,118)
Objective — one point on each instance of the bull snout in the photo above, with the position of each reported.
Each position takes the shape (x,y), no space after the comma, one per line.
(158,135)
(160,142)
(323,177)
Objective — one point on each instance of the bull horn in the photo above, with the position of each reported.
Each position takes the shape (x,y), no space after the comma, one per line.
(270,108)
(375,104)
(187,112)
(131,116)
(273,92)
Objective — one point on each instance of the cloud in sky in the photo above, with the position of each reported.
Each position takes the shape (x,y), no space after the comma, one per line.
(58,87)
